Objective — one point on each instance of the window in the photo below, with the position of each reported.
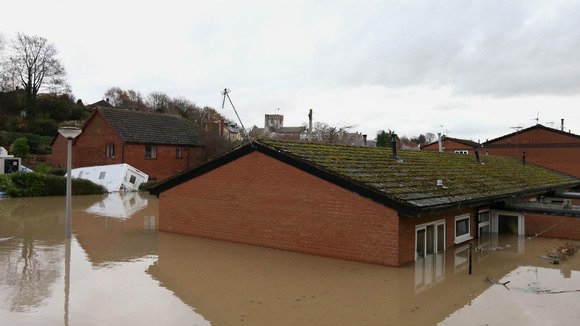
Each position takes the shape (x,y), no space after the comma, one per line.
(429,238)
(462,228)
(150,151)
(483,226)
(462,151)
(483,229)
(110,151)
(132,179)
(179,152)
(102,175)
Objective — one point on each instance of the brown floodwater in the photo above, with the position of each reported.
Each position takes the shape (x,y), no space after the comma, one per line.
(119,270)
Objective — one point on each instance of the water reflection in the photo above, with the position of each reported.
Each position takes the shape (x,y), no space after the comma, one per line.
(119,270)
(119,205)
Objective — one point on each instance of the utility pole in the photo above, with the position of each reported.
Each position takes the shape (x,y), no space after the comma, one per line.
(310,125)
(225,93)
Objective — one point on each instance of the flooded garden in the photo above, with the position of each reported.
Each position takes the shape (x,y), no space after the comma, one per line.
(119,270)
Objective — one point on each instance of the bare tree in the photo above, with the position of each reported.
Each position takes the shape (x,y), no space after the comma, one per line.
(159,102)
(324,133)
(33,65)
(129,99)
(429,137)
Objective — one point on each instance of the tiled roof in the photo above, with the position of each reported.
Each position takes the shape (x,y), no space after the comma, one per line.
(408,183)
(151,127)
(465,142)
(537,126)
(412,179)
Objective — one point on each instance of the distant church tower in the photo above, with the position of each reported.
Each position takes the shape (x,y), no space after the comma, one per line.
(273,122)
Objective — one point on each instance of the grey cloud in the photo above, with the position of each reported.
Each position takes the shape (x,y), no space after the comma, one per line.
(486,48)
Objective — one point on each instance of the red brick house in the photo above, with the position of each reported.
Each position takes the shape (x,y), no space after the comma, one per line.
(452,145)
(552,148)
(160,145)
(358,203)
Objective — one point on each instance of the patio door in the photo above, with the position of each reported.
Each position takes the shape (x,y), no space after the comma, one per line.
(429,238)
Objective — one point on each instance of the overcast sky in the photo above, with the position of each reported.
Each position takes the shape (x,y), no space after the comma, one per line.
(471,69)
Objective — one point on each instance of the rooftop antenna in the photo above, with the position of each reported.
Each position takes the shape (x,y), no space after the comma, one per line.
(537,118)
(225,93)
(518,128)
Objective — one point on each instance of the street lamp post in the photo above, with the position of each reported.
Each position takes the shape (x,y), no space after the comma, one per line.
(69,133)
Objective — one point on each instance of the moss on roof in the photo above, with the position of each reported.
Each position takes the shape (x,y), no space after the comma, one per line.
(412,179)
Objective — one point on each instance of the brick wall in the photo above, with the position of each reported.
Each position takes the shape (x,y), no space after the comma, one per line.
(59,153)
(557,226)
(449,146)
(553,150)
(89,147)
(407,231)
(261,201)
(166,164)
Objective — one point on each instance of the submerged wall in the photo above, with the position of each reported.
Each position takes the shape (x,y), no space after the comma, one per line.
(261,201)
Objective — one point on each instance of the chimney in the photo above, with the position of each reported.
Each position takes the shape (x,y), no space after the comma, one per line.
(440,141)
(562,124)
(394,144)
(364,140)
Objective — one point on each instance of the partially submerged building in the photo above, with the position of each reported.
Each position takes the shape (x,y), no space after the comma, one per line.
(160,145)
(365,204)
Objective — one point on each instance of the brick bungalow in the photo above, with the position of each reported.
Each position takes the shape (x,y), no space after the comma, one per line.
(552,148)
(452,145)
(160,145)
(359,203)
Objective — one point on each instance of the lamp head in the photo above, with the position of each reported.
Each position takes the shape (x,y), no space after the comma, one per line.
(69,132)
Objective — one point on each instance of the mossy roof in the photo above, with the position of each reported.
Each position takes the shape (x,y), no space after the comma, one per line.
(408,183)
(412,178)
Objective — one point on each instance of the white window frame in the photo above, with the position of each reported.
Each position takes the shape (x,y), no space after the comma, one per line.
(463,237)
(435,240)
(110,150)
(150,152)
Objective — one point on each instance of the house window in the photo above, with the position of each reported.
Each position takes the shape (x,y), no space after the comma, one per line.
(132,179)
(429,238)
(462,151)
(150,151)
(483,224)
(110,151)
(462,228)
(179,152)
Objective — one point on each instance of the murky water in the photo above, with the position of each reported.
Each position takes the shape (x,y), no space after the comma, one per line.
(119,270)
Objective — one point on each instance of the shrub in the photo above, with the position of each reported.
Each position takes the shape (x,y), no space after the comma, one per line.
(59,171)
(5,182)
(43,169)
(36,184)
(148,185)
(26,185)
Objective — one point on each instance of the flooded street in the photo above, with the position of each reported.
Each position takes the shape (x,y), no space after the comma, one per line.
(119,270)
